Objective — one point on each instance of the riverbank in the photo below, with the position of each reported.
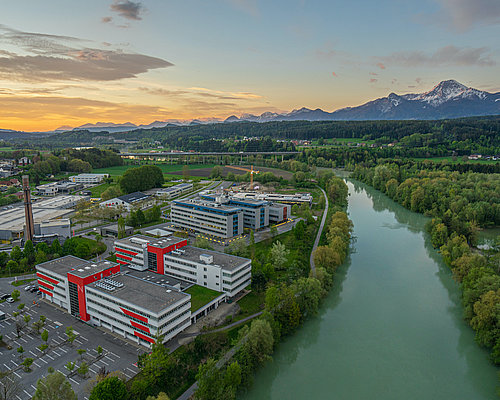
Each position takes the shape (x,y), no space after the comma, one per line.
(391,327)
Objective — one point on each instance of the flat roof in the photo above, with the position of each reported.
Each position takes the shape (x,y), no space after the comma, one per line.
(88,175)
(138,240)
(163,280)
(145,294)
(14,220)
(175,187)
(58,201)
(114,227)
(62,265)
(227,262)
(207,205)
(91,268)
(132,197)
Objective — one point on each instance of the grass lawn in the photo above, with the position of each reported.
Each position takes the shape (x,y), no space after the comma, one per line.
(22,282)
(250,304)
(97,190)
(120,170)
(200,296)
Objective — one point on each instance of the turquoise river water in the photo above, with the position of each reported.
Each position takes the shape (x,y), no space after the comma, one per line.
(392,326)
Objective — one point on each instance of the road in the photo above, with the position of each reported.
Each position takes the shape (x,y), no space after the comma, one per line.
(318,236)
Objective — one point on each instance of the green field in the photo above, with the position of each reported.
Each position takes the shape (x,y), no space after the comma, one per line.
(200,296)
(166,168)
(451,161)
(250,304)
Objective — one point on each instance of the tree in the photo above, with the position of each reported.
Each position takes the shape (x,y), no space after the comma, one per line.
(278,255)
(161,396)
(27,364)
(15,294)
(29,251)
(260,341)
(9,385)
(203,243)
(20,306)
(81,352)
(70,366)
(274,231)
(83,369)
(142,178)
(70,335)
(20,350)
(54,386)
(55,247)
(111,388)
(141,219)
(26,319)
(45,335)
(111,192)
(16,254)
(99,350)
(212,384)
(43,347)
(121,228)
(185,172)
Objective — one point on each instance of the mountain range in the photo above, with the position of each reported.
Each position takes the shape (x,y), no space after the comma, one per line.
(448,99)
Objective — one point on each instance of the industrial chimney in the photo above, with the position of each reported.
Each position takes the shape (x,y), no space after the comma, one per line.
(28,212)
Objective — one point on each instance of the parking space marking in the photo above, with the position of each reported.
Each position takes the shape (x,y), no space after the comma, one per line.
(6,366)
(109,358)
(34,388)
(16,374)
(18,397)
(13,362)
(33,353)
(48,355)
(56,353)
(131,370)
(41,359)
(24,340)
(72,380)
(104,362)
(34,363)
(63,350)
(29,394)
(95,372)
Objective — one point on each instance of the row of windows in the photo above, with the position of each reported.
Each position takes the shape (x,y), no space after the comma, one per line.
(189,225)
(244,283)
(200,216)
(122,305)
(181,270)
(50,276)
(186,278)
(236,271)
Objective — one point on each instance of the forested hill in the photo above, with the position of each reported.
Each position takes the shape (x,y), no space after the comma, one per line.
(208,137)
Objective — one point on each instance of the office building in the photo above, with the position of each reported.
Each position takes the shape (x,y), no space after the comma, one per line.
(97,293)
(88,179)
(174,191)
(279,212)
(207,218)
(128,201)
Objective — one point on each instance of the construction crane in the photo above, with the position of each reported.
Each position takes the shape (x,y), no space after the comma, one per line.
(251,170)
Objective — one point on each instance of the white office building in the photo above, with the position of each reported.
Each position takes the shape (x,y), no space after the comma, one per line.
(88,179)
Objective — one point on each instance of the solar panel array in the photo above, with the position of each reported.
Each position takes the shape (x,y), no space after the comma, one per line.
(104,285)
(113,282)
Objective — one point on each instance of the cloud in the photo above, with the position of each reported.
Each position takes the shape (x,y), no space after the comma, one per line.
(380,65)
(373,80)
(201,92)
(444,57)
(106,20)
(127,9)
(373,74)
(463,15)
(56,58)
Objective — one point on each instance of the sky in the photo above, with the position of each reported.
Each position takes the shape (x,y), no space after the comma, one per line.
(68,62)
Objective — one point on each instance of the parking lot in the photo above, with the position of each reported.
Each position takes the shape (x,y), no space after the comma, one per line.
(118,355)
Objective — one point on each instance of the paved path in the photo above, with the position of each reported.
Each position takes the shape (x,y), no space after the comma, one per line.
(318,236)
(241,321)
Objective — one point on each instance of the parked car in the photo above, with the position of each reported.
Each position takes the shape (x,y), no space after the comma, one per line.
(5,296)
(27,287)
(34,289)
(10,300)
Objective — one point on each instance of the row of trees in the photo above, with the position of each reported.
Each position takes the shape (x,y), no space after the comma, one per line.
(23,260)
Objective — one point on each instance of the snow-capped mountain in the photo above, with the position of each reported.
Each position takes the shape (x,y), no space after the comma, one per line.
(449,99)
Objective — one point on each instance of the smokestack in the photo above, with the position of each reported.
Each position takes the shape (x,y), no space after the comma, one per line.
(28,212)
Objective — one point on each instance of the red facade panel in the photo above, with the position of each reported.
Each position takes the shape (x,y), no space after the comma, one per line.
(139,326)
(133,314)
(144,337)
(47,278)
(45,284)
(132,253)
(45,291)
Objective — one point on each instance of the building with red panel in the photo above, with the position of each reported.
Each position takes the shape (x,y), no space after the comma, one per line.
(97,293)
(141,252)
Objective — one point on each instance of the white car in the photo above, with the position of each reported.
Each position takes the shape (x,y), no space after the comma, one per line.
(27,287)
(10,300)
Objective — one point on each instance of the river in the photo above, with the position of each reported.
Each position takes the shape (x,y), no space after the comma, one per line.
(391,328)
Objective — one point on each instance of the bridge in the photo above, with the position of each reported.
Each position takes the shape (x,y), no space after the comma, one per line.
(224,153)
